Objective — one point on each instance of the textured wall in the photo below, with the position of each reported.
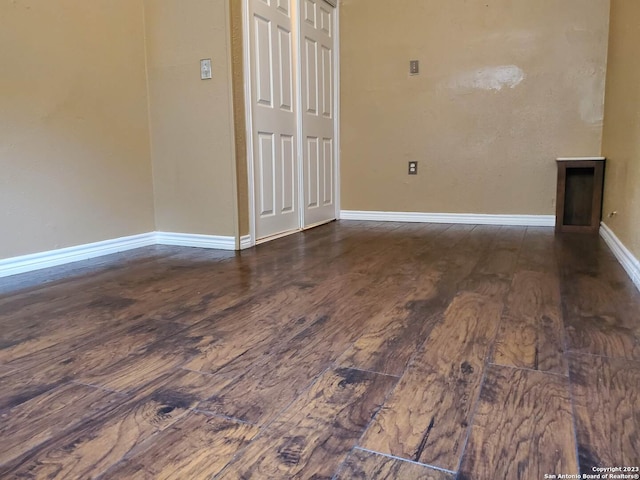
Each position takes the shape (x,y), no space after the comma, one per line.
(621,140)
(506,86)
(191,119)
(74,142)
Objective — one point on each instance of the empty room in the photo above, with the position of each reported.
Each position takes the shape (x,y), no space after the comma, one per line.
(320,239)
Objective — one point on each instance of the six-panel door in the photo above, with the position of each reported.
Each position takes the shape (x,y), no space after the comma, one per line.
(275,162)
(277,186)
(318,126)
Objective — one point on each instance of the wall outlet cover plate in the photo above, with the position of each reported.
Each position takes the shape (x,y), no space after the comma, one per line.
(205,69)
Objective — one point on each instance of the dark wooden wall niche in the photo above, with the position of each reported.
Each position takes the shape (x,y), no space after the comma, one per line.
(579,199)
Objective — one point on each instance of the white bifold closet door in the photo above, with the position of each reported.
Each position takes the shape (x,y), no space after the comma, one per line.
(318,125)
(275,123)
(292,86)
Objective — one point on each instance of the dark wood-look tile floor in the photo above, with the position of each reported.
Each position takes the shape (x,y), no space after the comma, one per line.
(356,350)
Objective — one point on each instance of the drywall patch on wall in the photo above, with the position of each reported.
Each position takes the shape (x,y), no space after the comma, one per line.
(592,98)
(522,38)
(490,78)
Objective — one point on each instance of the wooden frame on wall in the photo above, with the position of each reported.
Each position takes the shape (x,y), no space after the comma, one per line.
(579,194)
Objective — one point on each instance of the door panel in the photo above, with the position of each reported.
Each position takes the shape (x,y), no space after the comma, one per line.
(284,7)
(310,12)
(286,70)
(264,64)
(327,82)
(312,167)
(327,162)
(274,118)
(289,180)
(266,175)
(318,128)
(311,75)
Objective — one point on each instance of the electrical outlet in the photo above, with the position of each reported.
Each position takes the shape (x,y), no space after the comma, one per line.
(414,67)
(413,168)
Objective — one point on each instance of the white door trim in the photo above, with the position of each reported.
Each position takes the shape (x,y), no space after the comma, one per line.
(232,116)
(300,159)
(336,103)
(248,108)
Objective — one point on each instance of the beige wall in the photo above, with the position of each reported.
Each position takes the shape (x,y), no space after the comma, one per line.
(506,86)
(74,116)
(621,140)
(74,146)
(191,119)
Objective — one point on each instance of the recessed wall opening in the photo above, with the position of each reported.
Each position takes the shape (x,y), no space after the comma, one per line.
(578,195)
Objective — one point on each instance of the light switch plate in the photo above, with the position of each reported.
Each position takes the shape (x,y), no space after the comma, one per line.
(414,67)
(413,168)
(205,69)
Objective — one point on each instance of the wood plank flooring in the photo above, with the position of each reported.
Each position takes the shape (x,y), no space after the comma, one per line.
(356,350)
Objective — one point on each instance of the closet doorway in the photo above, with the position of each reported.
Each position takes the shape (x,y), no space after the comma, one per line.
(291,73)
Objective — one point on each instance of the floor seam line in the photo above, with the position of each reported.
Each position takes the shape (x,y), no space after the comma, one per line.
(565,345)
(525,369)
(413,462)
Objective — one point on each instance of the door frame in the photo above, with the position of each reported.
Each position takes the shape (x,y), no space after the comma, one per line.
(248,100)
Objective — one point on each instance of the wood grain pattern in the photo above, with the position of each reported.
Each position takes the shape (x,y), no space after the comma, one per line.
(531,331)
(195,447)
(94,446)
(395,335)
(105,363)
(123,362)
(363,465)
(39,419)
(282,315)
(599,319)
(538,250)
(426,417)
(394,338)
(228,335)
(314,435)
(606,393)
(522,429)
(270,377)
(235,345)
(260,394)
(600,305)
(17,388)
(35,323)
(190,387)
(503,255)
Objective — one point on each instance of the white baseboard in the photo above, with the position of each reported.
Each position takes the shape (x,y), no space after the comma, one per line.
(36,261)
(195,240)
(52,258)
(628,261)
(245,242)
(464,218)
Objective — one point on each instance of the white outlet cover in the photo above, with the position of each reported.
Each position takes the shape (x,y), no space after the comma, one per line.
(205,69)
